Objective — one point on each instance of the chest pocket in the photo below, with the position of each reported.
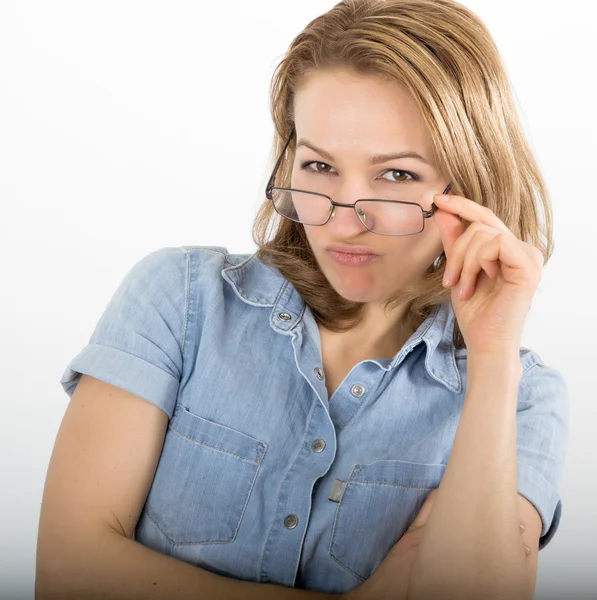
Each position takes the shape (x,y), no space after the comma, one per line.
(375,507)
(203,480)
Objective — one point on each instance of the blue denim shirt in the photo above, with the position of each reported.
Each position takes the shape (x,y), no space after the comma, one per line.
(261,478)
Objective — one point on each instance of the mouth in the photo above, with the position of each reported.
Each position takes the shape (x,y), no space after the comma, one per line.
(351,250)
(353,259)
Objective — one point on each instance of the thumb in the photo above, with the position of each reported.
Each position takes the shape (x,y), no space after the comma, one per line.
(424,512)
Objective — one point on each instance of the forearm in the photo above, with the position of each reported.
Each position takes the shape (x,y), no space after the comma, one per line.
(471,543)
(118,568)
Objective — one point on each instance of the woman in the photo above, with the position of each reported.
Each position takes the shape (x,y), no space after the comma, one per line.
(278,425)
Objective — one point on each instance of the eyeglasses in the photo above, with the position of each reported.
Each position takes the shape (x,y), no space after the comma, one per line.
(381,216)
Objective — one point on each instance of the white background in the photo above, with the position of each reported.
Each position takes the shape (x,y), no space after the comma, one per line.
(127,126)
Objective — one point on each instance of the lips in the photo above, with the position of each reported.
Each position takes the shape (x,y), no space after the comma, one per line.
(350,249)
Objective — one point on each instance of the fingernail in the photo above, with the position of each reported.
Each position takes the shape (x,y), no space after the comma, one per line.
(522,527)
(447,278)
(443,197)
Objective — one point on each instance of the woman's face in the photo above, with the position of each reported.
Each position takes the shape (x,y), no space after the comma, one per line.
(351,118)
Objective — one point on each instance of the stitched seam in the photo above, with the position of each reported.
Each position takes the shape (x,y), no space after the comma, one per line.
(330,551)
(285,285)
(208,249)
(188,296)
(350,480)
(531,366)
(362,405)
(246,501)
(220,541)
(148,514)
(261,302)
(133,355)
(240,518)
(275,519)
(538,474)
(401,485)
(258,461)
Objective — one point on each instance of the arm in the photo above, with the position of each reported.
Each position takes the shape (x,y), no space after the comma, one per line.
(471,545)
(100,473)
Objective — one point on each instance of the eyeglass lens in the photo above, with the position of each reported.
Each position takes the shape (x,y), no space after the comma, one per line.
(389,218)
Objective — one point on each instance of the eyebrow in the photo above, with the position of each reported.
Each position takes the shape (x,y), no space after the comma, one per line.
(373,160)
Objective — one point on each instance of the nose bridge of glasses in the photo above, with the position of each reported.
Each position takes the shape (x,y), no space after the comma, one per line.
(352,207)
(343,204)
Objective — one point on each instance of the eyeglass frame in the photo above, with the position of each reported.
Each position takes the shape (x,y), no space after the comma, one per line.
(270,187)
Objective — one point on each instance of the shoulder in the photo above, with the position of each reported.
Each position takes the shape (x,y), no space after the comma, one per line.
(182,267)
(210,260)
(541,382)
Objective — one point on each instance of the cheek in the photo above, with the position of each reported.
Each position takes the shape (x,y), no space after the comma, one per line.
(418,253)
(316,240)
(432,238)
(436,245)
(317,237)
(311,235)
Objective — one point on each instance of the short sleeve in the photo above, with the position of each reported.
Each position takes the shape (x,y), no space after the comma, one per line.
(542,438)
(138,342)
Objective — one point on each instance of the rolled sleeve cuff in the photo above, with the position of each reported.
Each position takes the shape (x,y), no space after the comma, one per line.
(544,497)
(125,371)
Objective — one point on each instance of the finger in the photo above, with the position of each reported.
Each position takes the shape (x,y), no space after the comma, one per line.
(450,227)
(474,264)
(516,264)
(469,210)
(455,262)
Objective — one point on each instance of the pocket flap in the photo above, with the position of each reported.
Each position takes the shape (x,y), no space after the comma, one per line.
(217,436)
(399,472)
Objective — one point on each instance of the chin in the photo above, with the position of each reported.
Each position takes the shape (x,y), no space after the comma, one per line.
(355,295)
(359,299)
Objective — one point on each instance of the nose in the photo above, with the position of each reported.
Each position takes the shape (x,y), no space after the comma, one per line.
(344,222)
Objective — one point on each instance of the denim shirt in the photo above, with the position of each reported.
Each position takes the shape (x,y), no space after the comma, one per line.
(261,478)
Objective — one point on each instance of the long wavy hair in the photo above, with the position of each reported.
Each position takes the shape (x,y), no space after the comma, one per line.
(443,54)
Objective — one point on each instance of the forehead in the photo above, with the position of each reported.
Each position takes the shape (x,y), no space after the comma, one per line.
(339,106)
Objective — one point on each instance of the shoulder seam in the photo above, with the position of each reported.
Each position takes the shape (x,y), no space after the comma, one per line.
(187,300)
(533,364)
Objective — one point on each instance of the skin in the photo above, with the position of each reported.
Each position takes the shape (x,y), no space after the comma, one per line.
(493,276)
(351,117)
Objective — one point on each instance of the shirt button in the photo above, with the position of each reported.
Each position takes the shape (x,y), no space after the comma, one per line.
(318,445)
(284,317)
(319,373)
(290,521)
(357,390)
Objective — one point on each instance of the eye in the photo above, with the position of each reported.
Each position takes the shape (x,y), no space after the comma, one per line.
(403,177)
(305,166)
(411,176)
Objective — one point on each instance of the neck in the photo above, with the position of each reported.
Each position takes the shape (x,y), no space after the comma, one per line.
(378,334)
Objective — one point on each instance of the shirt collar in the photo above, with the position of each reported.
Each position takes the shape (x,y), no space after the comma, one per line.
(258,284)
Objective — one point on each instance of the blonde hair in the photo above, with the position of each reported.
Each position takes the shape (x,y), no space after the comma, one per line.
(443,54)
